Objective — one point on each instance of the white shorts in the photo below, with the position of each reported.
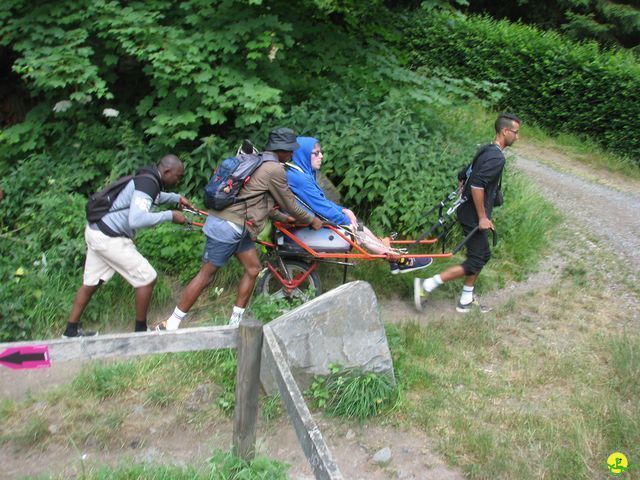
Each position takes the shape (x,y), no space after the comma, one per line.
(107,255)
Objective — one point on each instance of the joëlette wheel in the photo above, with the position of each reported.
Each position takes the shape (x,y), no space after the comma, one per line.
(308,289)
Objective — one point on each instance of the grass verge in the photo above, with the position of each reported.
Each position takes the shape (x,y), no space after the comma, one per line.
(221,466)
(99,405)
(547,390)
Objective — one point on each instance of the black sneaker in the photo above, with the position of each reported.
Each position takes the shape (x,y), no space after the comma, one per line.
(394,268)
(474,306)
(80,333)
(406,265)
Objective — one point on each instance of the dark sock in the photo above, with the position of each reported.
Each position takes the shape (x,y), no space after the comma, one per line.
(72,330)
(141,326)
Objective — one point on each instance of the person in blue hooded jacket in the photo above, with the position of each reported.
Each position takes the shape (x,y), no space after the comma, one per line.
(301,175)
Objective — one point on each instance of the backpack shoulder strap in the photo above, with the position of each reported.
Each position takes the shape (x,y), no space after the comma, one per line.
(480,151)
(465,173)
(269,157)
(155,179)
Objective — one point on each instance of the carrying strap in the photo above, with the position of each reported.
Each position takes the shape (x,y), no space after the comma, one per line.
(472,167)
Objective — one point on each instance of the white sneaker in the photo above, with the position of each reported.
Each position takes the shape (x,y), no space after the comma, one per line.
(419,293)
(234,321)
(472,306)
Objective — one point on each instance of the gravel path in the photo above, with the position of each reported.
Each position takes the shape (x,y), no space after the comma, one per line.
(610,214)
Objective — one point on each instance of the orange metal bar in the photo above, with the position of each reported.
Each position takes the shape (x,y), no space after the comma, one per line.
(363,255)
(426,241)
(266,244)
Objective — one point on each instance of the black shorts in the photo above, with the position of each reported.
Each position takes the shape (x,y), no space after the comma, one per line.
(478,251)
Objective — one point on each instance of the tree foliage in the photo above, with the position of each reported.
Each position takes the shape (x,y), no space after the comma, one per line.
(181,65)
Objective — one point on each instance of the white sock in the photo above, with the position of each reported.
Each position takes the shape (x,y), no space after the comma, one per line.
(176,317)
(467,295)
(430,284)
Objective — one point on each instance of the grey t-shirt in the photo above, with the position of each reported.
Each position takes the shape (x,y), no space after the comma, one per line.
(133,208)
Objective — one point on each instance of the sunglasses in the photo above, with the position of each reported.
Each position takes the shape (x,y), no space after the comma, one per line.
(317,152)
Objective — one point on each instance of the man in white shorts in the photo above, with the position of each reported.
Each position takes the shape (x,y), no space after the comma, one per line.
(110,246)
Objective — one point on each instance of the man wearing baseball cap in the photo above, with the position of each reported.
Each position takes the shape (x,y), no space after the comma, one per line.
(232,231)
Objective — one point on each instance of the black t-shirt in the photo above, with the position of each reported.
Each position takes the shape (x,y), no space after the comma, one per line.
(486,172)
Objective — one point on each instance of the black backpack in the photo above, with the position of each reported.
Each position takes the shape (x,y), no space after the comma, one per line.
(100,203)
(230,176)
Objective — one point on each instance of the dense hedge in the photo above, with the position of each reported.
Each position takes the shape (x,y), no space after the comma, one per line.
(559,84)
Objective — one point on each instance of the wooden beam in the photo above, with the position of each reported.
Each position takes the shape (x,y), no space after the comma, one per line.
(309,435)
(130,344)
(247,389)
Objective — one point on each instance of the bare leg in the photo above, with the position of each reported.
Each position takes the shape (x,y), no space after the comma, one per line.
(470,280)
(197,284)
(374,244)
(453,273)
(251,263)
(81,300)
(143,298)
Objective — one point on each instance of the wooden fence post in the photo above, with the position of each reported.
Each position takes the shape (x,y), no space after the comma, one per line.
(247,388)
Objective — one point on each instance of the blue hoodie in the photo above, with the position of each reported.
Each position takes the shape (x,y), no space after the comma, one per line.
(302,180)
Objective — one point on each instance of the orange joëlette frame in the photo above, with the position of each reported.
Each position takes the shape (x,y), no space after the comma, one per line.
(290,285)
(363,254)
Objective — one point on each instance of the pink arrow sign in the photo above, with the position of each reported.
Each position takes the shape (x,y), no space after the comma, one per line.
(32,356)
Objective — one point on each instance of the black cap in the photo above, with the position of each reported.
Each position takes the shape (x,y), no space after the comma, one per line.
(282,139)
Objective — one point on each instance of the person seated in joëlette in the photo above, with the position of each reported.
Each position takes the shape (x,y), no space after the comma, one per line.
(301,175)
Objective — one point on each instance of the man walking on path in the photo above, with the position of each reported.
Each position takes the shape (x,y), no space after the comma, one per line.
(110,246)
(232,231)
(481,188)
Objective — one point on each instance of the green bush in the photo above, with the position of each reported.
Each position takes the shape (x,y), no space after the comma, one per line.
(558,83)
(173,249)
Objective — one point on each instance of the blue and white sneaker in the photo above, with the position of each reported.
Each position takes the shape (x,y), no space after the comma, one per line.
(406,265)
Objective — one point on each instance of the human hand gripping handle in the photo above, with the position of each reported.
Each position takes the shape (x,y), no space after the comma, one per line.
(183,202)
(485,224)
(178,217)
(316,223)
(471,234)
